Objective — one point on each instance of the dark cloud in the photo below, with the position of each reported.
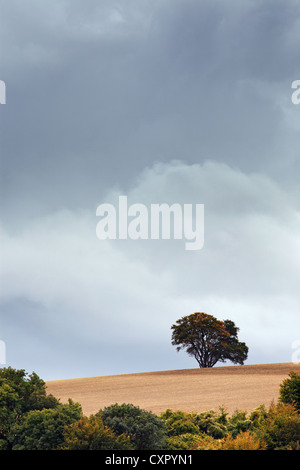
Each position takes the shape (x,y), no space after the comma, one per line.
(97,94)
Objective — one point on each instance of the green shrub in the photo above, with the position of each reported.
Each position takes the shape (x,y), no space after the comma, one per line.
(207,422)
(290,390)
(280,429)
(89,433)
(179,422)
(192,442)
(244,440)
(30,389)
(258,416)
(145,429)
(43,429)
(19,394)
(239,422)
(211,423)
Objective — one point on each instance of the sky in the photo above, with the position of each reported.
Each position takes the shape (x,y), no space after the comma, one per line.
(161,101)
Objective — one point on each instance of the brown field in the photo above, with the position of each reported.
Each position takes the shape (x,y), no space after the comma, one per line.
(233,387)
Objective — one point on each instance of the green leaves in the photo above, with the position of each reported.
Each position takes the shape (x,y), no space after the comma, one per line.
(90,433)
(208,340)
(143,427)
(44,429)
(290,390)
(20,393)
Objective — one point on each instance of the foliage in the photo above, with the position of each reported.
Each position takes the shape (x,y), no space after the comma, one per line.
(290,390)
(32,420)
(280,427)
(207,423)
(239,422)
(244,440)
(276,428)
(44,429)
(19,394)
(192,442)
(211,423)
(144,428)
(208,340)
(9,412)
(89,433)
(30,389)
(179,422)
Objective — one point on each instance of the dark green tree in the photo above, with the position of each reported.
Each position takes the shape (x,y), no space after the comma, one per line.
(290,390)
(10,412)
(145,429)
(19,394)
(44,429)
(209,340)
(30,389)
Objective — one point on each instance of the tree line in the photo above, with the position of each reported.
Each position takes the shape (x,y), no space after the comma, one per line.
(31,419)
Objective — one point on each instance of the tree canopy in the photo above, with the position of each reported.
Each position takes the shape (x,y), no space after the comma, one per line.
(209,340)
(20,393)
(144,428)
(290,390)
(44,429)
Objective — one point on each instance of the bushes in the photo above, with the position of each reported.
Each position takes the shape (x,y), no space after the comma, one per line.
(179,422)
(44,429)
(276,428)
(20,393)
(239,422)
(32,420)
(145,429)
(290,390)
(29,389)
(280,427)
(244,440)
(212,423)
(191,442)
(89,433)
(208,422)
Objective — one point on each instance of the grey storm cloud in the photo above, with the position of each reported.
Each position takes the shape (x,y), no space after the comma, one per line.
(164,101)
(100,89)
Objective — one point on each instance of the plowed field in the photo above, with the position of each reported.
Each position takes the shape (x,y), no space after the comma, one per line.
(233,387)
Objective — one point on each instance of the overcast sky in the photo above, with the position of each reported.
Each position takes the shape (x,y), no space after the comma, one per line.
(164,101)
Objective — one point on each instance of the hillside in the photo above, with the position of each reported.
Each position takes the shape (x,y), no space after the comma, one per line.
(234,387)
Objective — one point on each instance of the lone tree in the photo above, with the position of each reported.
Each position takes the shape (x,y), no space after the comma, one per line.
(209,340)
